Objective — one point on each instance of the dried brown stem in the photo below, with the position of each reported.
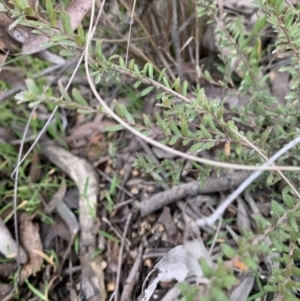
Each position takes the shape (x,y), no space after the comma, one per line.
(131,279)
(211,184)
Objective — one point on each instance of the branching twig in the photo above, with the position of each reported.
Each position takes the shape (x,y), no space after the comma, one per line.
(219,212)
(266,158)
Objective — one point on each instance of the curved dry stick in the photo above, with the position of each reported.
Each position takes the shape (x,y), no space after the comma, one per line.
(148,139)
(85,178)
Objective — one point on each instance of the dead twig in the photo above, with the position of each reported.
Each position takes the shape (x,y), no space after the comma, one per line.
(131,279)
(211,184)
(120,257)
(219,212)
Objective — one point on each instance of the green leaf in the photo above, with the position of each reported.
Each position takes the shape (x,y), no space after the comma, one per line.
(81,35)
(162,73)
(147,121)
(264,137)
(238,149)
(150,71)
(205,132)
(36,291)
(165,141)
(201,146)
(123,112)
(220,113)
(147,133)
(279,5)
(64,93)
(113,128)
(59,38)
(83,111)
(147,91)
(184,88)
(207,75)
(184,128)
(228,251)
(51,13)
(205,103)
(206,268)
(65,52)
(295,271)
(277,208)
(98,50)
(131,65)
(289,18)
(161,123)
(175,129)
(136,69)
(176,84)
(121,62)
(32,87)
(98,78)
(144,72)
(166,82)
(173,140)
(78,97)
(137,84)
(196,147)
(66,23)
(114,56)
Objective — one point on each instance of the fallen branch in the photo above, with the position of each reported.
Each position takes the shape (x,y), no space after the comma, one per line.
(85,178)
(211,184)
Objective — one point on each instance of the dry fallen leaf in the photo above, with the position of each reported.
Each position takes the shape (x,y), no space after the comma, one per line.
(88,129)
(242,292)
(13,78)
(8,246)
(30,239)
(243,220)
(6,41)
(76,10)
(180,263)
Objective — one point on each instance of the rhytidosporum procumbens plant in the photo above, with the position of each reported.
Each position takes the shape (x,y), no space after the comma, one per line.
(188,120)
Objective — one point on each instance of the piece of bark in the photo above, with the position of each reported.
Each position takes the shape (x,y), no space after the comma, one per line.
(211,184)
